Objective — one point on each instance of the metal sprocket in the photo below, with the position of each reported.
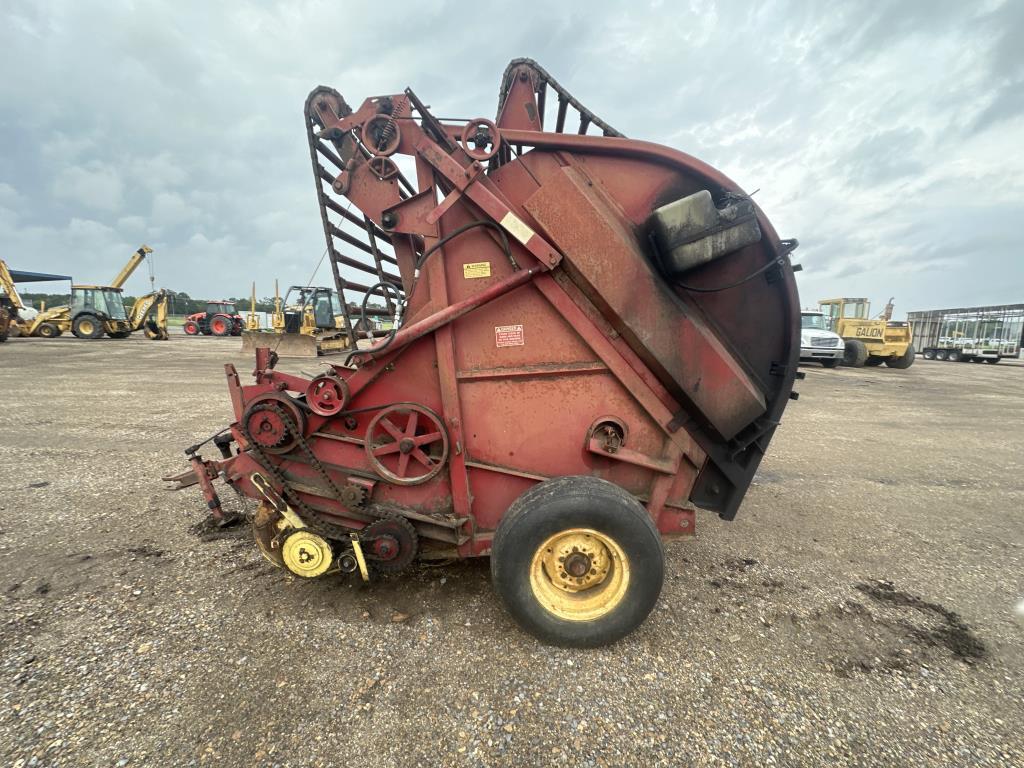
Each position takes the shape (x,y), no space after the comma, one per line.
(393,530)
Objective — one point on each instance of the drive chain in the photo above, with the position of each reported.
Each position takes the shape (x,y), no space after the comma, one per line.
(313,519)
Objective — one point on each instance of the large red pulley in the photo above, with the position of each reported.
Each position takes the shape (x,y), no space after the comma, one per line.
(406,444)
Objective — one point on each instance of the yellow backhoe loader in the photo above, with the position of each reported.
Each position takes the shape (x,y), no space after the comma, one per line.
(313,324)
(869,341)
(99,309)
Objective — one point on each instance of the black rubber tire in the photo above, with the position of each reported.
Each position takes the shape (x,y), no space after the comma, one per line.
(221,325)
(48,331)
(929,354)
(955,356)
(872,362)
(855,354)
(992,360)
(904,361)
(96,325)
(830,362)
(577,502)
(942,354)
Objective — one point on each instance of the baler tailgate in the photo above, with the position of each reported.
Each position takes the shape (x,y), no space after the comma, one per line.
(672,339)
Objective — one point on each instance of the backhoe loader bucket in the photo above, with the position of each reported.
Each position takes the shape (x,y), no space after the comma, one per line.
(284,344)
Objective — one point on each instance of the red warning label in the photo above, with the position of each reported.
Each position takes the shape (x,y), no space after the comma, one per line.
(508,336)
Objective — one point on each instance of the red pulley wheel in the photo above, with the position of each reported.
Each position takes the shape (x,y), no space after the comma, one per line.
(327,395)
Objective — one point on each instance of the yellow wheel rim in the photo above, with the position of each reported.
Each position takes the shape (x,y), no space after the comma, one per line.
(579,574)
(306,554)
(86,327)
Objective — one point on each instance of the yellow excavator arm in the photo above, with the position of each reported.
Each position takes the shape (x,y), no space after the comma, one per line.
(133,262)
(149,313)
(7,285)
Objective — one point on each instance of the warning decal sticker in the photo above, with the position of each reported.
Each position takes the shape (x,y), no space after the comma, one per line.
(509,336)
(476,269)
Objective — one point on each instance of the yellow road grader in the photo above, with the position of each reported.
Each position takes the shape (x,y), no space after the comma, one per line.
(869,341)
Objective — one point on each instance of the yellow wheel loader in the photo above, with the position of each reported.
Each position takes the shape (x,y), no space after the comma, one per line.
(310,325)
(869,341)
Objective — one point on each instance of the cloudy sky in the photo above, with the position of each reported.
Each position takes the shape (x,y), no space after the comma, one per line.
(887,136)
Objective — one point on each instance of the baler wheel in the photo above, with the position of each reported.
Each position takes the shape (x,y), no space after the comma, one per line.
(577,562)
(406,444)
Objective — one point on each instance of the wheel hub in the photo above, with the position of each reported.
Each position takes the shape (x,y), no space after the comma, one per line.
(577,561)
(306,554)
(579,574)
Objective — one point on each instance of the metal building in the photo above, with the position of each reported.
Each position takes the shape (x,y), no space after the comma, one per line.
(969,333)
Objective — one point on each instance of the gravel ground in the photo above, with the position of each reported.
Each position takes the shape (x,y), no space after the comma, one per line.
(860,611)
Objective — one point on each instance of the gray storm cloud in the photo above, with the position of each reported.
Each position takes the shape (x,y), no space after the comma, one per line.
(884,135)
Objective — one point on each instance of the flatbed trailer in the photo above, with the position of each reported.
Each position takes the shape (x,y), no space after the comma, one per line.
(978,334)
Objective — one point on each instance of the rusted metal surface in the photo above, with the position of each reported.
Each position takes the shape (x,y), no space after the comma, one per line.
(539,338)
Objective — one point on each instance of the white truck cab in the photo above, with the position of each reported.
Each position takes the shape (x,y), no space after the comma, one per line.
(817,342)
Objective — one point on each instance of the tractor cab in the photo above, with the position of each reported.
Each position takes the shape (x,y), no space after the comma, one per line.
(835,310)
(103,301)
(221,308)
(313,308)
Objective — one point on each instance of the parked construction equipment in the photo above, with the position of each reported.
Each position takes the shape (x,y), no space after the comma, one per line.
(99,309)
(869,341)
(307,323)
(10,301)
(220,318)
(589,351)
(252,321)
(94,310)
(977,334)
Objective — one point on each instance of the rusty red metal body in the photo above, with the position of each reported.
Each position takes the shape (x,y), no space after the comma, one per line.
(540,338)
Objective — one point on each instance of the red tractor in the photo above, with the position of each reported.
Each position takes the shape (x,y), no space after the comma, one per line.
(221,318)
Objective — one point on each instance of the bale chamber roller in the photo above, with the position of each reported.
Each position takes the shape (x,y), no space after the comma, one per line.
(597,335)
